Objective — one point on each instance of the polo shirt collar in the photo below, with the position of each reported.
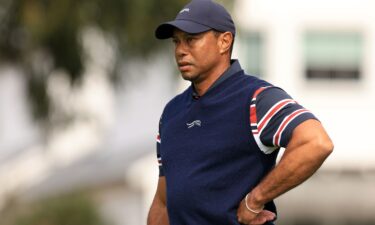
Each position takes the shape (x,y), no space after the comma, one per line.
(233,69)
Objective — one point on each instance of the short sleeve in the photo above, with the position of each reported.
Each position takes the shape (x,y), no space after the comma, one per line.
(158,149)
(274,116)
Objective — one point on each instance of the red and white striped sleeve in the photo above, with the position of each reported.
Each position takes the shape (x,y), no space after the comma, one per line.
(273,117)
(158,154)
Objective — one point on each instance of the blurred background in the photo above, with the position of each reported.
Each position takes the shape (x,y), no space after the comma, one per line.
(83,84)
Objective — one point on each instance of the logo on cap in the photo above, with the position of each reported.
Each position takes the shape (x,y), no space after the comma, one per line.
(185,10)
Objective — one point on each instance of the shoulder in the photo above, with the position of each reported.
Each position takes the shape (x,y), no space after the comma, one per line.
(248,84)
(270,91)
(177,102)
(179,97)
(270,94)
(256,80)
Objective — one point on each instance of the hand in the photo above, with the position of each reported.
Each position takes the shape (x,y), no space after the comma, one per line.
(246,217)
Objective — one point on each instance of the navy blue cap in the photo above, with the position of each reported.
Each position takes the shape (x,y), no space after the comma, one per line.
(196,17)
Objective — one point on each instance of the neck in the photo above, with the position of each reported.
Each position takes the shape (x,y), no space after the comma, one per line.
(201,86)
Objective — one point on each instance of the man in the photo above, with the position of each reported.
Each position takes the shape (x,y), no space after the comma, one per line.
(219,139)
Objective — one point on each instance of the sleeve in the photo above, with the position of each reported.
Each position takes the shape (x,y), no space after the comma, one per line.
(158,148)
(275,115)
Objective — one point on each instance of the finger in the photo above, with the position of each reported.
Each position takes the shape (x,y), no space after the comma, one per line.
(263,217)
(268,214)
(258,220)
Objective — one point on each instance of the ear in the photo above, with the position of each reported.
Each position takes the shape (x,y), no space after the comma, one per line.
(225,42)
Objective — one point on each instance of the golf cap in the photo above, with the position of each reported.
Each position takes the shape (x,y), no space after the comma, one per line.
(196,17)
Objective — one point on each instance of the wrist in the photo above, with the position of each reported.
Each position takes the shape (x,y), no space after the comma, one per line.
(256,197)
(253,204)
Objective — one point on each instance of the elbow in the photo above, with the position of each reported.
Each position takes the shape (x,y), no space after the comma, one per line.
(326,146)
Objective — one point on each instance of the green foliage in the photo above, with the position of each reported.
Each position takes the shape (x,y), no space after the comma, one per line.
(73,209)
(54,27)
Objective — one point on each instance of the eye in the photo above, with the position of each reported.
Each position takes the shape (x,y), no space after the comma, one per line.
(175,41)
(190,39)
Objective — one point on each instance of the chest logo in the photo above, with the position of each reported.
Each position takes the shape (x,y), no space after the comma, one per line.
(194,123)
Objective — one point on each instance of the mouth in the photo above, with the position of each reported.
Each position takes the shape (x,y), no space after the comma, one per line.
(183,66)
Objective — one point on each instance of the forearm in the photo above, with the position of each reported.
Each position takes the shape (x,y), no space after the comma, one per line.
(295,167)
(158,214)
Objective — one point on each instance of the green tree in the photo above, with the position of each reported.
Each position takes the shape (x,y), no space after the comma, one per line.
(53,27)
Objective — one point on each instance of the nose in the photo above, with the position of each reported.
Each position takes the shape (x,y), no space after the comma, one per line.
(180,50)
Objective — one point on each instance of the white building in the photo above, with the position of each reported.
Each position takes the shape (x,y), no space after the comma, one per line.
(322,53)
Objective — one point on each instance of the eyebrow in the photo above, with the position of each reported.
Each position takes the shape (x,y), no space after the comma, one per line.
(189,35)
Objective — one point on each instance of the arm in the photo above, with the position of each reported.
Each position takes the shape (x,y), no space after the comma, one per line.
(158,212)
(304,154)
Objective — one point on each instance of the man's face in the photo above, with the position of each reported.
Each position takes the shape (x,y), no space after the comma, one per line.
(196,55)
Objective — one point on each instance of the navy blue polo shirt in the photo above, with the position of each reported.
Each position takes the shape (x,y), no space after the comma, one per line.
(214,149)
